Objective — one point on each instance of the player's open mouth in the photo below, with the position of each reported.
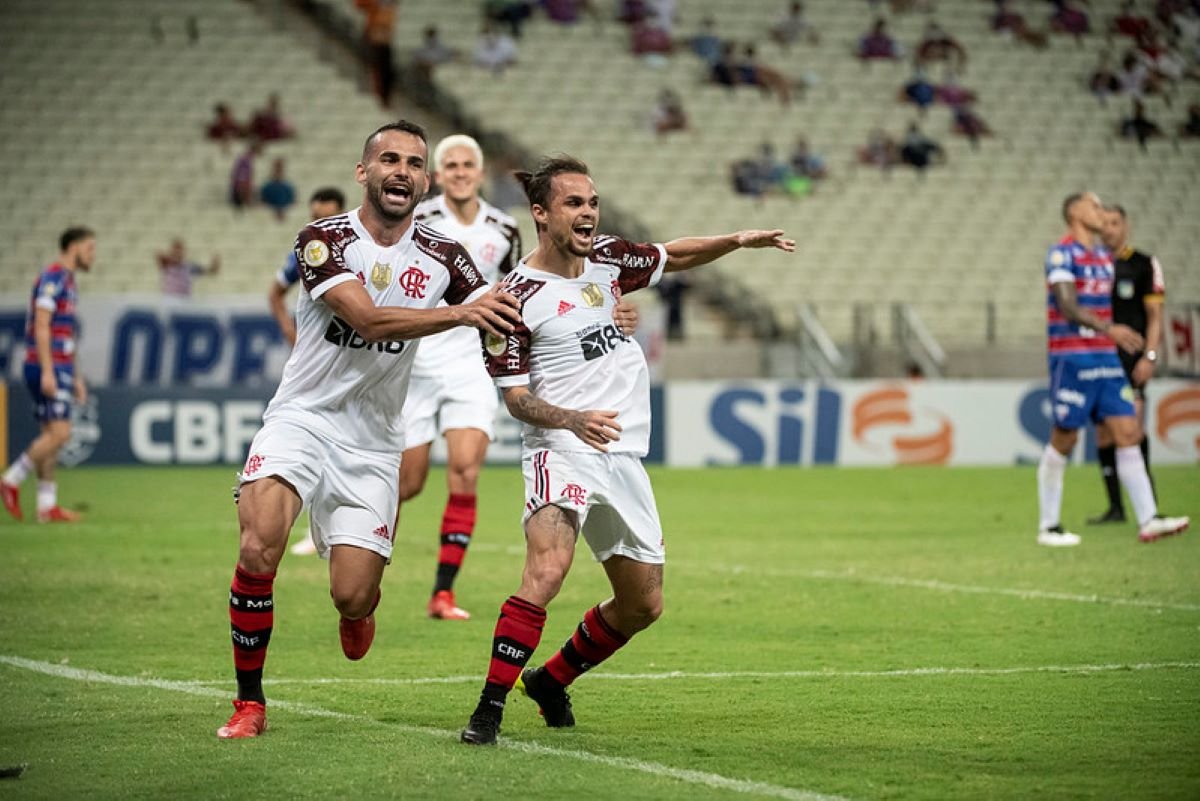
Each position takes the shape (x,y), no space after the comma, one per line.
(584,231)
(398,193)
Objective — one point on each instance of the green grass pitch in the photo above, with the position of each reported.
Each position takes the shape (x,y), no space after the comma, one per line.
(862,634)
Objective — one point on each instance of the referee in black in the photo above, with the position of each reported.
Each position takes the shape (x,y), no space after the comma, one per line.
(1137,301)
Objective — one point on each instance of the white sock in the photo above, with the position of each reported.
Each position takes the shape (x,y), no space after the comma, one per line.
(47,495)
(1050,486)
(1131,469)
(18,470)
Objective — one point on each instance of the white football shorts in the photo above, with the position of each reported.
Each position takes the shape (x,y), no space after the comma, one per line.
(454,399)
(610,495)
(351,496)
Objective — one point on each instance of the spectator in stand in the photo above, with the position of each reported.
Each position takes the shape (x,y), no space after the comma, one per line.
(1012,23)
(706,44)
(751,72)
(877,44)
(668,113)
(648,39)
(1191,126)
(278,193)
(177,271)
(1070,19)
(631,12)
(1103,81)
(513,13)
(1166,66)
(662,14)
(953,94)
(268,124)
(747,179)
(772,170)
(377,37)
(806,163)
(241,178)
(879,151)
(919,91)
(937,45)
(793,27)
(1139,126)
(1129,22)
(724,71)
(431,54)
(1134,77)
(567,12)
(495,51)
(224,127)
(919,151)
(970,124)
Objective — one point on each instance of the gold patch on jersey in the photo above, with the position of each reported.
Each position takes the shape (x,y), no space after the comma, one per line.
(381,276)
(592,296)
(494,344)
(316,253)
(1057,258)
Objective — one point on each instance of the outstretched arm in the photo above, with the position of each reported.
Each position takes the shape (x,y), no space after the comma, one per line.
(595,428)
(693,251)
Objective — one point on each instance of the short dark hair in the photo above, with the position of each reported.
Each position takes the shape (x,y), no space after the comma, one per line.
(76,234)
(1119,209)
(329,194)
(1070,201)
(404,126)
(537,183)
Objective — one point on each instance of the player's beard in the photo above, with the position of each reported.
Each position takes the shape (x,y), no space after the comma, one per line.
(376,197)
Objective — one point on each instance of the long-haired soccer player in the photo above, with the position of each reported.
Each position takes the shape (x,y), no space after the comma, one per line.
(582,389)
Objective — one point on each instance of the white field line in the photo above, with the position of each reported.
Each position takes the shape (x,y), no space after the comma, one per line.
(891,581)
(712,780)
(749,674)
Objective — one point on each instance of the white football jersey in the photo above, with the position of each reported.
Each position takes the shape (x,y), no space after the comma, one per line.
(494,243)
(569,351)
(336,382)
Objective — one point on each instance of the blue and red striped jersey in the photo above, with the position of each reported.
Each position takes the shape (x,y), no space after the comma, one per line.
(54,291)
(1091,271)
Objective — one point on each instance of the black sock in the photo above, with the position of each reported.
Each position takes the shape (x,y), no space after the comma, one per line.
(250,685)
(1112,484)
(445,577)
(1145,446)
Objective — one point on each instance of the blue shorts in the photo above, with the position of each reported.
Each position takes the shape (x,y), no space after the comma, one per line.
(1083,394)
(46,409)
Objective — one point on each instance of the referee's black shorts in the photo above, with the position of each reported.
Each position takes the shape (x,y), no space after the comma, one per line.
(1128,360)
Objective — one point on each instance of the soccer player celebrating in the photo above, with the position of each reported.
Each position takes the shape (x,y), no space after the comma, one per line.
(332,434)
(450,392)
(1137,301)
(1086,378)
(581,388)
(50,374)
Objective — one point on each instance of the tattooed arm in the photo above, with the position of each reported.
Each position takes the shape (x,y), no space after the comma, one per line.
(596,428)
(1068,304)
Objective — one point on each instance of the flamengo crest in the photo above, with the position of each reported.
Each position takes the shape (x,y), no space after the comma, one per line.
(413,281)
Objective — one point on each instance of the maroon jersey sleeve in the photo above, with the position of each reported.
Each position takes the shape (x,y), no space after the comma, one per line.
(639,265)
(321,255)
(507,358)
(465,278)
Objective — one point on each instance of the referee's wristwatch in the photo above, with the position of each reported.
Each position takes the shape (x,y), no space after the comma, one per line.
(1151,356)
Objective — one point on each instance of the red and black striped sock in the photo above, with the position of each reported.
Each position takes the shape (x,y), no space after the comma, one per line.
(594,641)
(518,632)
(458,523)
(251,616)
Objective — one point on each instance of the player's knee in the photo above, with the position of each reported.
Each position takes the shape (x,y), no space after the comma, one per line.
(545,580)
(59,435)
(256,556)
(463,478)
(641,614)
(353,602)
